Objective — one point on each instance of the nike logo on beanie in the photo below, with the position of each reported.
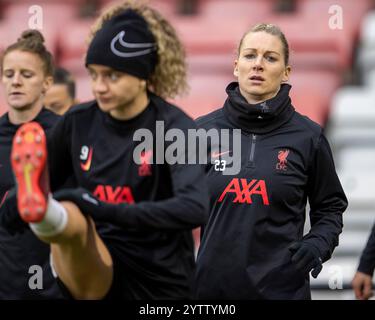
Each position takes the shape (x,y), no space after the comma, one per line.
(124,43)
(119,38)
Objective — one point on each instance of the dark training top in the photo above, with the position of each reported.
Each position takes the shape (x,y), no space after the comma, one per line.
(259,212)
(154,245)
(19,253)
(367,261)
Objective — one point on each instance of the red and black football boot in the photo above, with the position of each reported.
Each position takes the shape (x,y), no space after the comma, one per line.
(29,163)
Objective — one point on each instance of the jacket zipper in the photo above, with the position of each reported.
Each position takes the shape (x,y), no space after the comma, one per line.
(252,151)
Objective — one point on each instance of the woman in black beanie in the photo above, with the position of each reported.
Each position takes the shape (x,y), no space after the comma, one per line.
(253,245)
(126,232)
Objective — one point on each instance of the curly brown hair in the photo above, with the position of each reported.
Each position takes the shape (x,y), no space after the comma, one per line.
(32,41)
(169,77)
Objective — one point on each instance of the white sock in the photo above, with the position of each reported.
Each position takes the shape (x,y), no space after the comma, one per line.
(54,221)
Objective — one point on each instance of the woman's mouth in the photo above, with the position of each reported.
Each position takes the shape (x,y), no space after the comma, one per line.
(16,94)
(256,79)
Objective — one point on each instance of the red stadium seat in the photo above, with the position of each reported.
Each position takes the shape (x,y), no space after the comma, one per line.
(10,31)
(219,25)
(51,11)
(310,105)
(166,7)
(313,42)
(72,48)
(312,92)
(312,38)
(207,93)
(224,10)
(200,35)
(18,17)
(42,2)
(353,11)
(211,63)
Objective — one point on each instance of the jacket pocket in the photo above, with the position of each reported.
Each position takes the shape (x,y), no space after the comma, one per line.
(283,282)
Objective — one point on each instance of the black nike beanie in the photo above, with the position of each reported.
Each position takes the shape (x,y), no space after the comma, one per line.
(126,44)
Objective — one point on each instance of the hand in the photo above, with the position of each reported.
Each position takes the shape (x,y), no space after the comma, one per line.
(362,286)
(86,202)
(306,257)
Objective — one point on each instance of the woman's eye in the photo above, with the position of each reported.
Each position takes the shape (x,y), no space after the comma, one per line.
(8,74)
(271,59)
(92,75)
(250,56)
(113,76)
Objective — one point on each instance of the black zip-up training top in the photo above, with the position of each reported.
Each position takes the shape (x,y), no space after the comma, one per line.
(257,213)
(22,255)
(156,248)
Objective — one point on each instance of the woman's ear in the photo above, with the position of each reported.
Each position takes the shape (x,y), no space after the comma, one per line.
(287,71)
(143,84)
(235,71)
(48,82)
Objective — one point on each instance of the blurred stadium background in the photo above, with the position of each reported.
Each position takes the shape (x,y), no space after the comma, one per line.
(333,79)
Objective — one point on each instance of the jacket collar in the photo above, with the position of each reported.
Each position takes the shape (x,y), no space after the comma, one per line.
(258,118)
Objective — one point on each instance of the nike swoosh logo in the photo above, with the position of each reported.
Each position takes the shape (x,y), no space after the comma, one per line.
(87,197)
(216,154)
(119,38)
(86,166)
(4,197)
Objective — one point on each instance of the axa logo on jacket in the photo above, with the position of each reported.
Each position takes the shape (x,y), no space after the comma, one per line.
(109,194)
(244,191)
